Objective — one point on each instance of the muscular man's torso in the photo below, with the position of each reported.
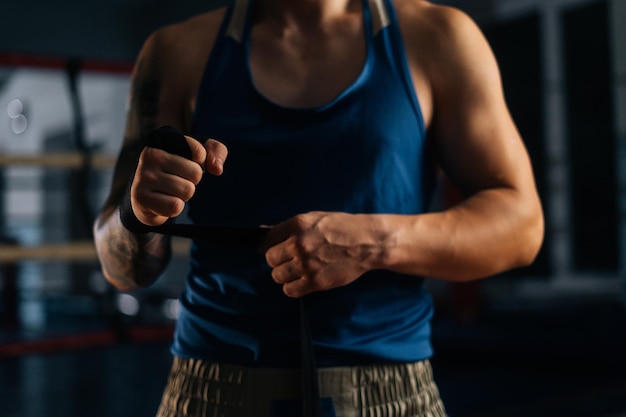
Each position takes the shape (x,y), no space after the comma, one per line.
(290,68)
(353,141)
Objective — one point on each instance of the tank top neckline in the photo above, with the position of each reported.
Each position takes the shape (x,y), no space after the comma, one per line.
(359,81)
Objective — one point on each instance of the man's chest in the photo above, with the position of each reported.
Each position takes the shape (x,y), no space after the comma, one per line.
(306,71)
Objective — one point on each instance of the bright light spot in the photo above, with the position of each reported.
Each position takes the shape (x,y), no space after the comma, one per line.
(127,304)
(15,108)
(171,309)
(19,124)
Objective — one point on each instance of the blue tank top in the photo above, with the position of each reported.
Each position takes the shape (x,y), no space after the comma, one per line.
(363,152)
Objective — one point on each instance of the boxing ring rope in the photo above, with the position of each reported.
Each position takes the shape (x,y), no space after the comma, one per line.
(77,251)
(67,160)
(82,161)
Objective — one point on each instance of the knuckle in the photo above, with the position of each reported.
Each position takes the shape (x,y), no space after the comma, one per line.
(270,258)
(277,276)
(137,204)
(198,152)
(290,291)
(173,207)
(298,248)
(306,245)
(196,175)
(138,196)
(216,147)
(300,222)
(151,155)
(299,262)
(188,189)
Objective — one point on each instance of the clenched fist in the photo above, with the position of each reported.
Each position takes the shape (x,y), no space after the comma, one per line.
(165,181)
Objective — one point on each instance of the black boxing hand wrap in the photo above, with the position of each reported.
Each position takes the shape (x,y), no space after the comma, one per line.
(169,140)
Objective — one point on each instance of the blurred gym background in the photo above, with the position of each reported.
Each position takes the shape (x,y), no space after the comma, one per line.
(548,340)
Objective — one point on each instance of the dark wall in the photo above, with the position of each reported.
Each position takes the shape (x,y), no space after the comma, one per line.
(110,30)
(591,138)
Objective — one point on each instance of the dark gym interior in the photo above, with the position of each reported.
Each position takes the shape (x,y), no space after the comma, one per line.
(548,340)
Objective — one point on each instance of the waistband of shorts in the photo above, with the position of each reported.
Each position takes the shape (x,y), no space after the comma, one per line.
(286,382)
(200,388)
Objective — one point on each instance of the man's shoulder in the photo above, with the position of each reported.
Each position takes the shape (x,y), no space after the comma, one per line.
(427,18)
(434,30)
(195,30)
(182,45)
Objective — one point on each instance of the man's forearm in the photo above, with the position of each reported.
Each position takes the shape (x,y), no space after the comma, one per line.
(489,233)
(129,260)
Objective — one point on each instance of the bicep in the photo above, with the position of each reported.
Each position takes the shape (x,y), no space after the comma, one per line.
(475,138)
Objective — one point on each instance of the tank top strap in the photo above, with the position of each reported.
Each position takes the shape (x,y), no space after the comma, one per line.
(236,20)
(392,42)
(380,15)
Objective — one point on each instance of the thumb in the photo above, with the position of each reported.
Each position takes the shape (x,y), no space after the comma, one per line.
(216,154)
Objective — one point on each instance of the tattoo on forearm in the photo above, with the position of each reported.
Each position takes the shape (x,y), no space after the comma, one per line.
(129,259)
(135,261)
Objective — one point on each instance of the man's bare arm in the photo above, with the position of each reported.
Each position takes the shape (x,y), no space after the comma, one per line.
(496,227)
(164,84)
(499,224)
(129,260)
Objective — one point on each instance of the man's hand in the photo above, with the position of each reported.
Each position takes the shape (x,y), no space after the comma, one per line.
(319,251)
(164,182)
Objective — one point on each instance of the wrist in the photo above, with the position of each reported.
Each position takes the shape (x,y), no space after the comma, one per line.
(379,240)
(383,239)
